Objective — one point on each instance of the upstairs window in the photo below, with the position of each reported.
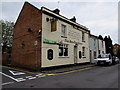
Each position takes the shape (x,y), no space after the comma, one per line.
(63,50)
(53,25)
(83,36)
(63,31)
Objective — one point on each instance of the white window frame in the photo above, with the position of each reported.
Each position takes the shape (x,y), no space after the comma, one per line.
(63,31)
(83,52)
(64,46)
(83,37)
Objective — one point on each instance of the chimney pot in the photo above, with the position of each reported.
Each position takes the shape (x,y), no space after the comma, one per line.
(73,19)
(56,11)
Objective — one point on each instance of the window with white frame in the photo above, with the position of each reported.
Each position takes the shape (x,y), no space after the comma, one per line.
(63,50)
(83,36)
(63,31)
(83,51)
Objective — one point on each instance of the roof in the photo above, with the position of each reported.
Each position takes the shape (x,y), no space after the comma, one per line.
(50,12)
(58,16)
(93,36)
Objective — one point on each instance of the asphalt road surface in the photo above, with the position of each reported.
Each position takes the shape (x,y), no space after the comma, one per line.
(95,77)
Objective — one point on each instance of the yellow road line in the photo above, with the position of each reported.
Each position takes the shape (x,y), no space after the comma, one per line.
(23,70)
(73,71)
(67,72)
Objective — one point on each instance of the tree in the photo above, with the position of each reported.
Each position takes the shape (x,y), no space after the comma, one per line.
(108,45)
(118,53)
(7,35)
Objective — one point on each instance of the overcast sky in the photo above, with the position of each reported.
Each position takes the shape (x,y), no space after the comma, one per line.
(100,17)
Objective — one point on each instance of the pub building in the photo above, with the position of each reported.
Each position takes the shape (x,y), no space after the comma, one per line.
(44,38)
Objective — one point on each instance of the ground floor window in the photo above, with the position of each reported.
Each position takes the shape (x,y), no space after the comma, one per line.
(63,50)
(95,56)
(83,51)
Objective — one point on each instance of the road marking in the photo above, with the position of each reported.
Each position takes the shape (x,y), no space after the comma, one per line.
(18,79)
(30,77)
(6,83)
(16,72)
(72,71)
(23,70)
(40,75)
(49,73)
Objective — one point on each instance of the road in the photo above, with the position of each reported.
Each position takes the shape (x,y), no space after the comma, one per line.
(95,77)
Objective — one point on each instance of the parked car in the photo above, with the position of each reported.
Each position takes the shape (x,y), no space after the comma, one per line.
(105,59)
(116,60)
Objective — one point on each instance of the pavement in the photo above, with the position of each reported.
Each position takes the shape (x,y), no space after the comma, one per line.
(66,68)
(56,69)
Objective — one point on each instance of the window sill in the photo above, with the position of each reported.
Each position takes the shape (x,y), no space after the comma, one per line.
(83,41)
(63,37)
(83,57)
(63,57)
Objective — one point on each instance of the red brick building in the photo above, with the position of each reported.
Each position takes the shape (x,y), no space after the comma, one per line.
(26,32)
(116,47)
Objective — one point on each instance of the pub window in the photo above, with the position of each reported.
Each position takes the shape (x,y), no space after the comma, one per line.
(79,54)
(83,51)
(83,36)
(50,54)
(63,31)
(63,50)
(53,25)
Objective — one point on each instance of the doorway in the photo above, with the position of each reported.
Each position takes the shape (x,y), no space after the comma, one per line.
(75,54)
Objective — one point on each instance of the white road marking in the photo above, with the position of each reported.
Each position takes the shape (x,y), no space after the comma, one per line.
(30,77)
(6,83)
(40,75)
(18,80)
(16,72)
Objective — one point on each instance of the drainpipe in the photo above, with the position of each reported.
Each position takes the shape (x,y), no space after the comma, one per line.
(36,43)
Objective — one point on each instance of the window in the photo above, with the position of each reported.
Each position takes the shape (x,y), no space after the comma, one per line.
(50,54)
(99,51)
(94,42)
(83,51)
(53,25)
(95,55)
(79,54)
(63,31)
(63,50)
(83,36)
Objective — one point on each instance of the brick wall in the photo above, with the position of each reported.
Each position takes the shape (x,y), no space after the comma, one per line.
(24,52)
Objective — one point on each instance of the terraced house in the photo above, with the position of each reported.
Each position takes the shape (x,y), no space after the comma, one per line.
(94,49)
(44,38)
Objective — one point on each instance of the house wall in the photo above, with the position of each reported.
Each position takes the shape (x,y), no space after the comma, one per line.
(93,48)
(102,48)
(72,34)
(24,52)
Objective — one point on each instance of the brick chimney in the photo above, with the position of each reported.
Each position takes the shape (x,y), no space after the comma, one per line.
(56,11)
(73,19)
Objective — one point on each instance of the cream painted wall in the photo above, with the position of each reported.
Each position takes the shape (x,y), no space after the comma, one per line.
(101,46)
(72,34)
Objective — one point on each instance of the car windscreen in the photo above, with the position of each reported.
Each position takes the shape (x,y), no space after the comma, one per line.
(103,56)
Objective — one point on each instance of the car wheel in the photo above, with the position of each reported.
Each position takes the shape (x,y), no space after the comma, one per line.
(109,63)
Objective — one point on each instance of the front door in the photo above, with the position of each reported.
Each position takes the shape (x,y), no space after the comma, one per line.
(75,54)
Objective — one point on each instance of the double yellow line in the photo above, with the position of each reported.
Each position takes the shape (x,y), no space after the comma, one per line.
(67,72)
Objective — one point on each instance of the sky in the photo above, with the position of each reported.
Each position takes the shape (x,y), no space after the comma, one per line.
(99,16)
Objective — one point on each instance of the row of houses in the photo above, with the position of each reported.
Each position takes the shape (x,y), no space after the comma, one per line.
(44,38)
